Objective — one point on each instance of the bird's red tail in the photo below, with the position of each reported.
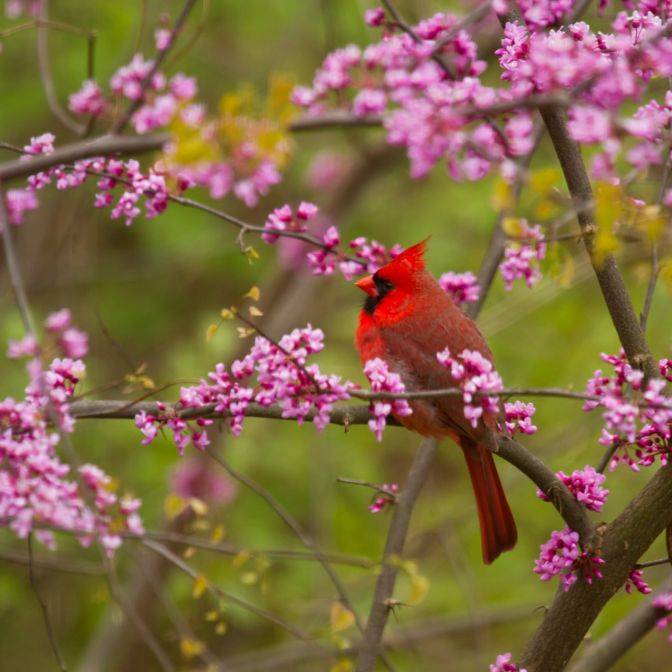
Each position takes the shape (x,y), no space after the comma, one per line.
(498,528)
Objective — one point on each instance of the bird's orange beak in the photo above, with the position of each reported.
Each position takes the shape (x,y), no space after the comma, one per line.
(367,285)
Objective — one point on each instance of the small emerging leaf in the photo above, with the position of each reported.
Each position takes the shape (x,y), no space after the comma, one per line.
(343,665)
(190,648)
(255,312)
(221,628)
(212,615)
(173,506)
(254,294)
(200,585)
(340,618)
(211,331)
(419,589)
(227,313)
(217,534)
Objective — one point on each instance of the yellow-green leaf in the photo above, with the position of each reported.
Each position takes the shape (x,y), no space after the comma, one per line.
(608,210)
(255,312)
(210,332)
(512,226)
(343,665)
(217,534)
(221,628)
(254,293)
(173,506)
(190,648)
(419,589)
(340,618)
(199,587)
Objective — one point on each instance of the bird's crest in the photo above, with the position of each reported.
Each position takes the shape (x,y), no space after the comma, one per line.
(411,259)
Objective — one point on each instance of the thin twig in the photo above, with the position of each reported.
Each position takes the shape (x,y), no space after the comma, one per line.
(134,618)
(13,267)
(296,528)
(43,62)
(43,606)
(159,58)
(219,593)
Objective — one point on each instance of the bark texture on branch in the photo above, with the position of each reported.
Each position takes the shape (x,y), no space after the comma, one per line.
(624,541)
(370,647)
(615,293)
(602,654)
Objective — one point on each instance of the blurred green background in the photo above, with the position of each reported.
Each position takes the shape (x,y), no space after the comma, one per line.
(146,295)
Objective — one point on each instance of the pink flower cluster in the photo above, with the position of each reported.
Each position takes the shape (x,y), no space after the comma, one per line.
(586,486)
(518,417)
(664,603)
(386,497)
(16,8)
(609,69)
(635,581)
(89,100)
(634,414)
(476,376)
(522,257)
(369,255)
(561,556)
(247,169)
(137,185)
(432,110)
(282,376)
(384,380)
(504,664)
(34,490)
(537,14)
(461,287)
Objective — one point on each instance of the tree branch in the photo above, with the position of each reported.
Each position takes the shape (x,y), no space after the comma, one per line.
(611,282)
(45,610)
(602,654)
(624,541)
(380,607)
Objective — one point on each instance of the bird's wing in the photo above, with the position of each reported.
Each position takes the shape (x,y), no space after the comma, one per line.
(411,350)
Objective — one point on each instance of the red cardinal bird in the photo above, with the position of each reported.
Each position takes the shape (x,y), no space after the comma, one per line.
(407,318)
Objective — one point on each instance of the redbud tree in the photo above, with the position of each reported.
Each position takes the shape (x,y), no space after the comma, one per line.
(541,134)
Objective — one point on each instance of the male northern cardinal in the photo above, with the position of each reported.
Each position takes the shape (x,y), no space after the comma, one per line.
(407,318)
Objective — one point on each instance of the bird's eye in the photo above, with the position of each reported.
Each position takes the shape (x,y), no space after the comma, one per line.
(383,286)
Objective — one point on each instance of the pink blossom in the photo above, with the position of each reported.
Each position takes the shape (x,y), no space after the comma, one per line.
(194,478)
(369,101)
(283,219)
(58,321)
(561,556)
(521,258)
(632,415)
(41,144)
(282,375)
(504,664)
(162,38)
(74,343)
(586,486)
(461,287)
(128,80)
(26,347)
(182,87)
(519,417)
(20,201)
(374,17)
(475,375)
(88,100)
(664,603)
(635,581)
(385,497)
(34,484)
(384,380)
